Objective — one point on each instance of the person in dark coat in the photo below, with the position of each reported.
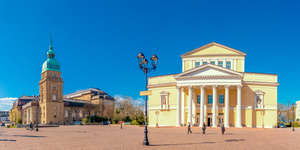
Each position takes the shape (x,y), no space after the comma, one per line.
(189,129)
(204,127)
(223,128)
(31,126)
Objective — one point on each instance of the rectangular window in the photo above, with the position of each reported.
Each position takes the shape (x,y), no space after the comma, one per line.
(228,64)
(221,99)
(197,64)
(205,62)
(198,99)
(210,99)
(220,63)
(213,62)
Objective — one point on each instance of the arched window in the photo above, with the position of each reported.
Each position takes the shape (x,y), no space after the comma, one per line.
(54,96)
(66,113)
(74,114)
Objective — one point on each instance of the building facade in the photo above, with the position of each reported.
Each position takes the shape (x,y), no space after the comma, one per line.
(297,111)
(51,107)
(4,116)
(213,88)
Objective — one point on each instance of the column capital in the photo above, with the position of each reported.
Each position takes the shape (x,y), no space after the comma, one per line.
(182,89)
(239,86)
(178,87)
(214,86)
(202,86)
(190,87)
(226,86)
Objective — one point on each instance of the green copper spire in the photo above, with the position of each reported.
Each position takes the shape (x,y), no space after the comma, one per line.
(51,63)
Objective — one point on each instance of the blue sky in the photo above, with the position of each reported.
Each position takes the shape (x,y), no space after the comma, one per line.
(96,42)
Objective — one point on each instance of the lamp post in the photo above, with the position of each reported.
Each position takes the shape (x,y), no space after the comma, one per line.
(156,112)
(293,105)
(143,65)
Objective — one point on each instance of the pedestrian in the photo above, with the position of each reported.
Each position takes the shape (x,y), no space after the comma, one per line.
(204,127)
(189,128)
(108,123)
(102,123)
(31,126)
(223,128)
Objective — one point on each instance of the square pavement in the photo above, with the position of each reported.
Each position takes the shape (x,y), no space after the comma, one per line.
(131,137)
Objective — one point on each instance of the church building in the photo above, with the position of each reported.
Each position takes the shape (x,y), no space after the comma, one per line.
(213,88)
(52,107)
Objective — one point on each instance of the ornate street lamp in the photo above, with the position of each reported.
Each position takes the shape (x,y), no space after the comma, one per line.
(143,65)
(157,113)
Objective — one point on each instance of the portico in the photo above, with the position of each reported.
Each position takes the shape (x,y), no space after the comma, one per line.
(213,88)
(201,79)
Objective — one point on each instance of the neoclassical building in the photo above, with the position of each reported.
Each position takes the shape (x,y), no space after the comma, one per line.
(214,88)
(51,107)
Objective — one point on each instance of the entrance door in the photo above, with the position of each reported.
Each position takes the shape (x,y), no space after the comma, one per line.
(208,121)
(198,119)
(221,119)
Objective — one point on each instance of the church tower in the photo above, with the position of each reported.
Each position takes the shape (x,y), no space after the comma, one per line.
(51,90)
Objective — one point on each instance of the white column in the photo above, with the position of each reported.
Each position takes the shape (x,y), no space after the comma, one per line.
(191,64)
(234,64)
(239,107)
(224,63)
(193,107)
(226,106)
(194,63)
(202,105)
(214,118)
(201,62)
(182,107)
(190,104)
(183,66)
(178,105)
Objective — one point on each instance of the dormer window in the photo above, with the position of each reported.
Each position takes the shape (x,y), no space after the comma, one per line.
(220,63)
(213,62)
(228,64)
(197,64)
(205,62)
(164,100)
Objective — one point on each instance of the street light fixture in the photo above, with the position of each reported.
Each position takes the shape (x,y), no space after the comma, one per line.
(157,113)
(143,65)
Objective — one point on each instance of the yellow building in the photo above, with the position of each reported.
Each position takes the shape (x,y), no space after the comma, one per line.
(213,88)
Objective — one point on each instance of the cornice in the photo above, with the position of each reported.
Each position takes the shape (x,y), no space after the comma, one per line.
(162,85)
(261,83)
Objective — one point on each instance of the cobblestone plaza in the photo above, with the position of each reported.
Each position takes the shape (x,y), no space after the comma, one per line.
(131,137)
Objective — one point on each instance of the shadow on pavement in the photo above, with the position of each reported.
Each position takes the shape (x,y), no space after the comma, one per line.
(183,144)
(228,133)
(28,136)
(234,140)
(8,140)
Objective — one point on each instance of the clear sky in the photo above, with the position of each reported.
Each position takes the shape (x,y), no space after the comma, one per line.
(96,42)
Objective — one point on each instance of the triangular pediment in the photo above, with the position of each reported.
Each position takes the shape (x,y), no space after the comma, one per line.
(213,49)
(209,70)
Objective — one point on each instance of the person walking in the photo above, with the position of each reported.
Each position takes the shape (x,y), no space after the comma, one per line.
(189,128)
(31,126)
(223,128)
(204,127)
(102,123)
